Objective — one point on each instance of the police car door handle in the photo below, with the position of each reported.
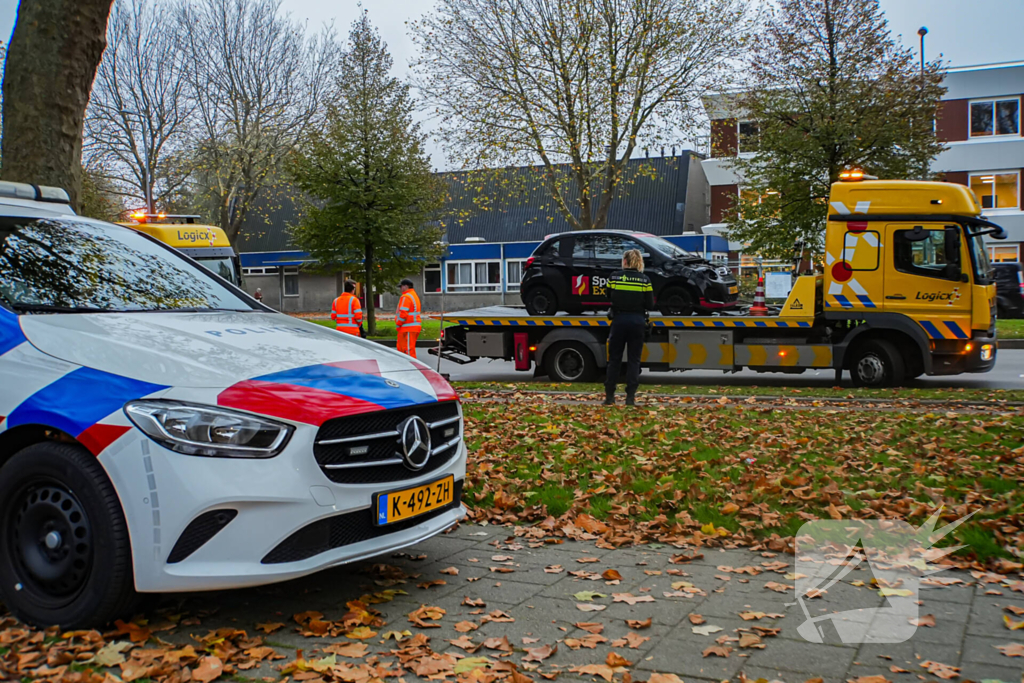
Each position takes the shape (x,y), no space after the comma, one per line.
(896,296)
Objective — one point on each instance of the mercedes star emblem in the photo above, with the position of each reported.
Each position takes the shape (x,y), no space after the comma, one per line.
(415,442)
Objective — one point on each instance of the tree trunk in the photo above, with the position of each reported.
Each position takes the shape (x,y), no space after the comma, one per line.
(371,320)
(51,64)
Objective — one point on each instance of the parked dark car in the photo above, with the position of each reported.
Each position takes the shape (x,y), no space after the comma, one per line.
(569,272)
(1009,289)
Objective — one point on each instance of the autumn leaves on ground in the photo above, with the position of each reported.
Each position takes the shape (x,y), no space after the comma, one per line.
(739,476)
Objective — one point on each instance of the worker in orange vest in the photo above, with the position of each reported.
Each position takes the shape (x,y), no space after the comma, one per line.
(346,312)
(407,319)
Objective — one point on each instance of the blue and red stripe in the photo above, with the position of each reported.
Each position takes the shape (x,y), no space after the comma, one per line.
(76,403)
(314,394)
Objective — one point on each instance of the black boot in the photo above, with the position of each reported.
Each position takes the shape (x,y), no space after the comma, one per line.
(609,396)
(631,397)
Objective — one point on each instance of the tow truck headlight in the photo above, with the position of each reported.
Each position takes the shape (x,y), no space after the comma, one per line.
(986,351)
(209,431)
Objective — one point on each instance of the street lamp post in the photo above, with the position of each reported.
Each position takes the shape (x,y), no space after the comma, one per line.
(923,31)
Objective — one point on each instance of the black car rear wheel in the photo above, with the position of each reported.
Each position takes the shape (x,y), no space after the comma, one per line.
(541,300)
(65,557)
(677,301)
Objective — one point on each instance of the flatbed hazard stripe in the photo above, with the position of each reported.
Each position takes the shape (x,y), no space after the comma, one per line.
(656,322)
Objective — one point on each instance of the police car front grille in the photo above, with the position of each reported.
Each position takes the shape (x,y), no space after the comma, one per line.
(377,433)
(341,530)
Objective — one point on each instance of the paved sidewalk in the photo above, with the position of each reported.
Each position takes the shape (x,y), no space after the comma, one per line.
(508,575)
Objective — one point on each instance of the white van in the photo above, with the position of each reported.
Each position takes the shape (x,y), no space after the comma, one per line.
(160,430)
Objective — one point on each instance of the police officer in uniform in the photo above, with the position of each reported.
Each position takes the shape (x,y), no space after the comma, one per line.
(632,296)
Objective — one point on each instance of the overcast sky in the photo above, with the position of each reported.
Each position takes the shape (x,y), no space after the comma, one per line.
(963,37)
(956,28)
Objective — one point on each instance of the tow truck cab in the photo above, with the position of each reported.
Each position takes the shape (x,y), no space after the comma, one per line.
(905,263)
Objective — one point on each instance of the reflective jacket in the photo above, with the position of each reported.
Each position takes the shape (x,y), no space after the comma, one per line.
(408,315)
(346,313)
(631,292)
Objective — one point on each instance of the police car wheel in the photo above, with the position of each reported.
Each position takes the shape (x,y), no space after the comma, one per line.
(65,557)
(541,301)
(676,301)
(570,362)
(877,363)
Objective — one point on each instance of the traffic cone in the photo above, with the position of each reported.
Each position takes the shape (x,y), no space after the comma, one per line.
(759,307)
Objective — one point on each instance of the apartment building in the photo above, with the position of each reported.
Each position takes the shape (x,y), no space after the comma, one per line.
(979,119)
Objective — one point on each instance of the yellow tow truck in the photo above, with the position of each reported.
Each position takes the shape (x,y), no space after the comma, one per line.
(207,244)
(906,291)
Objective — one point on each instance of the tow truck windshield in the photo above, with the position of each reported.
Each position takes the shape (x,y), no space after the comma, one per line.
(667,248)
(75,265)
(979,257)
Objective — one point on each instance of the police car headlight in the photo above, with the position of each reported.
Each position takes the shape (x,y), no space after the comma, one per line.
(209,431)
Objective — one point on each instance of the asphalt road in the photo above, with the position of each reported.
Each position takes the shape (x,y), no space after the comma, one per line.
(1007,374)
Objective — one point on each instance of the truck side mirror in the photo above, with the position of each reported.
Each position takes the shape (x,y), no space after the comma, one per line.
(952,272)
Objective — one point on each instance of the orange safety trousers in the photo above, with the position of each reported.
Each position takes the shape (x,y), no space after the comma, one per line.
(407,341)
(408,321)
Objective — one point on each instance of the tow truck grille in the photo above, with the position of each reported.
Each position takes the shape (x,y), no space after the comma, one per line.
(365,449)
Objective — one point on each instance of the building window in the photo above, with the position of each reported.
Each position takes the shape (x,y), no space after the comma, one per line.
(748,135)
(514,275)
(291,281)
(995,117)
(474,276)
(1010,254)
(997,190)
(259,271)
(432,278)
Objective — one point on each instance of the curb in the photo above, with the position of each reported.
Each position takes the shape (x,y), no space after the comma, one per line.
(1010,344)
(420,343)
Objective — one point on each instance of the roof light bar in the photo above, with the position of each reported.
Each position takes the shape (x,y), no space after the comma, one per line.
(854,175)
(37,193)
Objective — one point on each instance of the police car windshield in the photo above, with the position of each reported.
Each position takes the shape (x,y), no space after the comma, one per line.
(70,265)
(667,248)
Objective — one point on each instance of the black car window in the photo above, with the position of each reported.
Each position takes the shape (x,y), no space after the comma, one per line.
(548,250)
(612,247)
(583,247)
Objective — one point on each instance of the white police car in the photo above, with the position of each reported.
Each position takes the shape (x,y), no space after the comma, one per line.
(162,431)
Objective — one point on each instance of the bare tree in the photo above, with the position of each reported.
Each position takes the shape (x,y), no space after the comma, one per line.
(140,110)
(257,82)
(50,66)
(574,85)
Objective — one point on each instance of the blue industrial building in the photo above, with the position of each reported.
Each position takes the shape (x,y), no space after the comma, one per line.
(499,224)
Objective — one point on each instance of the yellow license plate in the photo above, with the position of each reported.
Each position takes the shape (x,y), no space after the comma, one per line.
(734,290)
(397,506)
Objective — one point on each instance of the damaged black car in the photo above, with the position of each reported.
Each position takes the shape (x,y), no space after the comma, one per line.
(569,272)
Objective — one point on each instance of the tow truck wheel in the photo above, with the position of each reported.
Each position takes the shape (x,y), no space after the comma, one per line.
(65,557)
(570,361)
(877,363)
(541,301)
(677,301)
